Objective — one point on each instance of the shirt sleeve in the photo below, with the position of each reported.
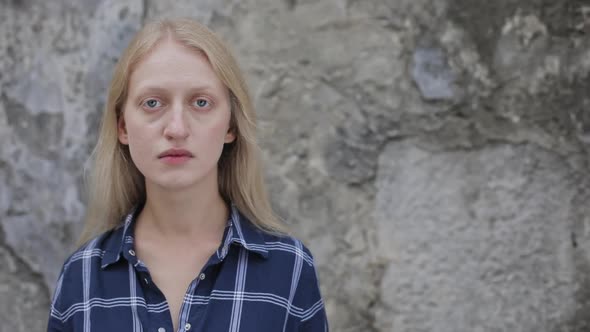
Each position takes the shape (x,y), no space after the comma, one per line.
(54,325)
(55,322)
(308,297)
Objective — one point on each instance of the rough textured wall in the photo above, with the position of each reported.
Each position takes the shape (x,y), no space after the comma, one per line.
(432,154)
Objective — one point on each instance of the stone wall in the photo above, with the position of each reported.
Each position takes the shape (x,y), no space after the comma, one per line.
(432,154)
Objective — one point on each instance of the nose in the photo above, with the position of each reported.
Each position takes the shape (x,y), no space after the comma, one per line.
(176,126)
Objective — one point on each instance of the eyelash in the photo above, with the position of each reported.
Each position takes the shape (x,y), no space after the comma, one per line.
(148,100)
(209,103)
(193,103)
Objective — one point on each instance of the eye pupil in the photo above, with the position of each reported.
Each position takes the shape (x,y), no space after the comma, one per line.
(201,102)
(152,103)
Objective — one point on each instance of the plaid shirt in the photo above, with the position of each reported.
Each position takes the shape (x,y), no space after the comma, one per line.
(254,282)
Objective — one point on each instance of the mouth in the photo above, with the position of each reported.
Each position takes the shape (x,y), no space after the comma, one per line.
(175,153)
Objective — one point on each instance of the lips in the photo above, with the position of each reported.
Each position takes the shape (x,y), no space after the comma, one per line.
(175,153)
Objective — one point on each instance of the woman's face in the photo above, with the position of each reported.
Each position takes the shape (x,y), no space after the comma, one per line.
(176,117)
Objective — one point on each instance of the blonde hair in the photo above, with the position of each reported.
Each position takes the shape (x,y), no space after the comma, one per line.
(116,185)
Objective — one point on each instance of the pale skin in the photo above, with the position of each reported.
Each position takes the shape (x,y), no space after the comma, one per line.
(175,100)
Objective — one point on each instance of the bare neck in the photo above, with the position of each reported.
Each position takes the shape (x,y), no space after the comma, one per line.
(191,213)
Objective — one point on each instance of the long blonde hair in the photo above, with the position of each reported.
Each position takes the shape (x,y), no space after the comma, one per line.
(116,185)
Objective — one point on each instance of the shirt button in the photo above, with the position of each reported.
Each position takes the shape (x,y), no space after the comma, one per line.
(187,327)
(202,276)
(161,329)
(132,253)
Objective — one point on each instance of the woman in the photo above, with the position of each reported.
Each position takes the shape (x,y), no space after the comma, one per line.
(180,235)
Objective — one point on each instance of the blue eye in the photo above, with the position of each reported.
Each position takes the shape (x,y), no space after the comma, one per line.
(152,103)
(201,102)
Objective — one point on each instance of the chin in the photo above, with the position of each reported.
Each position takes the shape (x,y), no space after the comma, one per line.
(177,184)
(177,181)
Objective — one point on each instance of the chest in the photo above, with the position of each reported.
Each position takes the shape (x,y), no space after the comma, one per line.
(230,298)
(172,272)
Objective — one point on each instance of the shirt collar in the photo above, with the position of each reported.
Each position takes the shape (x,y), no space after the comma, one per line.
(239,230)
(119,238)
(242,232)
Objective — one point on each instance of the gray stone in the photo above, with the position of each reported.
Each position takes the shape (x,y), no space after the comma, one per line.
(432,74)
(111,31)
(432,154)
(37,90)
(49,224)
(202,10)
(40,130)
(24,300)
(351,164)
(476,240)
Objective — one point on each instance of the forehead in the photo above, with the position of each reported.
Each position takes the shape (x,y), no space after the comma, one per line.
(175,66)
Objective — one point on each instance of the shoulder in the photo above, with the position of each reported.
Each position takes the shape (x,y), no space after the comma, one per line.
(286,246)
(76,272)
(92,251)
(292,262)
(298,263)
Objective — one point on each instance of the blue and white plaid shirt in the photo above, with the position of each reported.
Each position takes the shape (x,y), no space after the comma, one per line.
(254,282)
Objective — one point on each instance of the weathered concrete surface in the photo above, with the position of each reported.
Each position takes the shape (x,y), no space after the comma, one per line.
(24,297)
(432,154)
(478,240)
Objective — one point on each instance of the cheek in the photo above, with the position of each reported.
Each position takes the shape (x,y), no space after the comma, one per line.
(140,144)
(135,134)
(221,129)
(215,131)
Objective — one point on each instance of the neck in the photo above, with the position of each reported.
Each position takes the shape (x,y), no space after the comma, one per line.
(193,212)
